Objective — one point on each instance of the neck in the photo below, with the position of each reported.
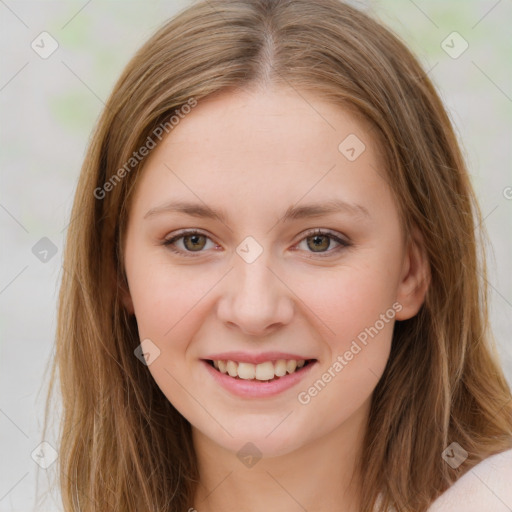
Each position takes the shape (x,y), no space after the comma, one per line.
(319,476)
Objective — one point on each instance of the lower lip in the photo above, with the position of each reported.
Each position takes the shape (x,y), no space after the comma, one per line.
(258,389)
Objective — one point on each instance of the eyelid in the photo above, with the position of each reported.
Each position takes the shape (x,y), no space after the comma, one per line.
(168,241)
(342,240)
(333,235)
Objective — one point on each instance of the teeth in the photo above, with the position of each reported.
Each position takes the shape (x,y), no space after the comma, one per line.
(263,371)
(280,368)
(232,368)
(291,366)
(246,371)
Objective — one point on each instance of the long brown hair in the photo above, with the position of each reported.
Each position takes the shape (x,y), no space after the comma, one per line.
(123,446)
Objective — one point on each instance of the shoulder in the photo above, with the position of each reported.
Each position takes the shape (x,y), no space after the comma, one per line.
(486,487)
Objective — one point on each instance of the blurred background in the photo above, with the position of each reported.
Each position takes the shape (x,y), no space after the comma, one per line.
(60,60)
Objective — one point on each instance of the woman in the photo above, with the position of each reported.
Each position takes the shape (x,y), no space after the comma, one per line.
(272,297)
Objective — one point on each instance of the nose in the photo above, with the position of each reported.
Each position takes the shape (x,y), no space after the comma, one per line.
(255,298)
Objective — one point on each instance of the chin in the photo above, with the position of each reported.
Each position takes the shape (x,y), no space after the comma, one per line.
(256,441)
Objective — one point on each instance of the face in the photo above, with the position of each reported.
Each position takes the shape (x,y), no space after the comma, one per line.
(304,260)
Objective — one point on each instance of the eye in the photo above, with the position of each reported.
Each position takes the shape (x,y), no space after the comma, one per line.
(194,241)
(321,240)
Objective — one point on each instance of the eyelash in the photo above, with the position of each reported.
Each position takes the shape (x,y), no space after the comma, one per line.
(343,243)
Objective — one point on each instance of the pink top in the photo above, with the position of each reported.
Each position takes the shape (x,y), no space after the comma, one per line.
(485,488)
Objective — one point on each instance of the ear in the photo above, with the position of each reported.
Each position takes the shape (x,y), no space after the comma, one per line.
(415,278)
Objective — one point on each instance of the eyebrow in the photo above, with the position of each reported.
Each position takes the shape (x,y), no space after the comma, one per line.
(292,213)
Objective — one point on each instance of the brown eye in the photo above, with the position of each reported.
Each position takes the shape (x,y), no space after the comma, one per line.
(320,242)
(191,242)
(194,242)
(317,242)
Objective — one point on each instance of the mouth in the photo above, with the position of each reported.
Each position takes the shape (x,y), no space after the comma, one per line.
(268,371)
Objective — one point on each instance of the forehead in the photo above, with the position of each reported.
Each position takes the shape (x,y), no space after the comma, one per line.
(255,148)
(272,123)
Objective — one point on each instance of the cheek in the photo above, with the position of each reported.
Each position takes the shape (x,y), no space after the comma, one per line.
(347,300)
(355,311)
(165,299)
(361,316)
(358,307)
(169,307)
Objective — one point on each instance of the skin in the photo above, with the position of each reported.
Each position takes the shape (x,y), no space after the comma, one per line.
(254,153)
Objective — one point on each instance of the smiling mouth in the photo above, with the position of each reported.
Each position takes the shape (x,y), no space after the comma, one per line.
(264,372)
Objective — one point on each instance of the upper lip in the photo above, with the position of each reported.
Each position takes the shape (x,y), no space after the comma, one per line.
(246,357)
